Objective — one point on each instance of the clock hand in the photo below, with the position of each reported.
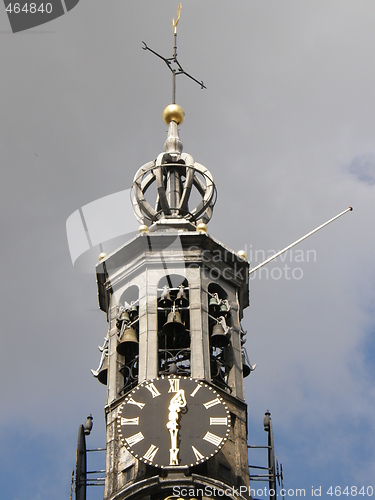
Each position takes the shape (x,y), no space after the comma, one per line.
(177,402)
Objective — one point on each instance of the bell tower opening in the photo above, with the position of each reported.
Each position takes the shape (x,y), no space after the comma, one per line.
(127,323)
(220,322)
(173,325)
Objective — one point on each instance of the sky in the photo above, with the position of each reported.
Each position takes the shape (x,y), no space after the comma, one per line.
(286,126)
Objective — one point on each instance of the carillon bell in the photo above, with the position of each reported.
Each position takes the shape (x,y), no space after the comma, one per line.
(224,307)
(128,343)
(103,372)
(218,336)
(172,369)
(165,299)
(246,370)
(123,316)
(214,300)
(133,311)
(214,304)
(181,299)
(174,324)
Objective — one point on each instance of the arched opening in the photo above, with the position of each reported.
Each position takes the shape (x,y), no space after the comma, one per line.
(127,322)
(219,323)
(173,308)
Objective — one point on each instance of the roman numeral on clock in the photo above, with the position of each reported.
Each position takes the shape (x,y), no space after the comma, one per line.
(150,453)
(131,401)
(198,455)
(195,391)
(218,420)
(130,421)
(174,384)
(151,387)
(212,438)
(211,403)
(132,440)
(173,456)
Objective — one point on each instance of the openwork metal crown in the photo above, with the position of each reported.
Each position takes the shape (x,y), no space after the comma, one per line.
(177,182)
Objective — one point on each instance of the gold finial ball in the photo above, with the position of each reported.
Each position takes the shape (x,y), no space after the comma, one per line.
(142,229)
(102,256)
(242,254)
(201,227)
(173,113)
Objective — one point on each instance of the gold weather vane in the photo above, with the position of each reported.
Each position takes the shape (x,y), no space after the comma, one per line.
(174,24)
(172,62)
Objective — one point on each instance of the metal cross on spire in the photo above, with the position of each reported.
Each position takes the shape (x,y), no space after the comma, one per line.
(172,62)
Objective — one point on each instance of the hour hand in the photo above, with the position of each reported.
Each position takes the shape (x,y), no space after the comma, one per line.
(177,402)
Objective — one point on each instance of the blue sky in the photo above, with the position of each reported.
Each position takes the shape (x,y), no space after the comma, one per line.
(286,127)
(363,168)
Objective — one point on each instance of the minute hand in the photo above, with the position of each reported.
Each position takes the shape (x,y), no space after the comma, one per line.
(177,402)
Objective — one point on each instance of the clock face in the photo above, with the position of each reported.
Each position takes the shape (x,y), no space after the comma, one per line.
(173,422)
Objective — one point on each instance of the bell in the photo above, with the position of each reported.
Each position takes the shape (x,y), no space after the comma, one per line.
(218,336)
(128,343)
(103,372)
(174,324)
(181,298)
(224,307)
(246,370)
(123,316)
(214,300)
(165,299)
(214,304)
(172,369)
(133,311)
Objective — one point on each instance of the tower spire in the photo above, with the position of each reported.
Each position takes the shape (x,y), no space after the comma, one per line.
(174,174)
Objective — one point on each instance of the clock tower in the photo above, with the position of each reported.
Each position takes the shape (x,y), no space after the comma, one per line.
(173,360)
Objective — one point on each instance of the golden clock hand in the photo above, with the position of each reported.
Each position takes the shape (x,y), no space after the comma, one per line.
(176,403)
